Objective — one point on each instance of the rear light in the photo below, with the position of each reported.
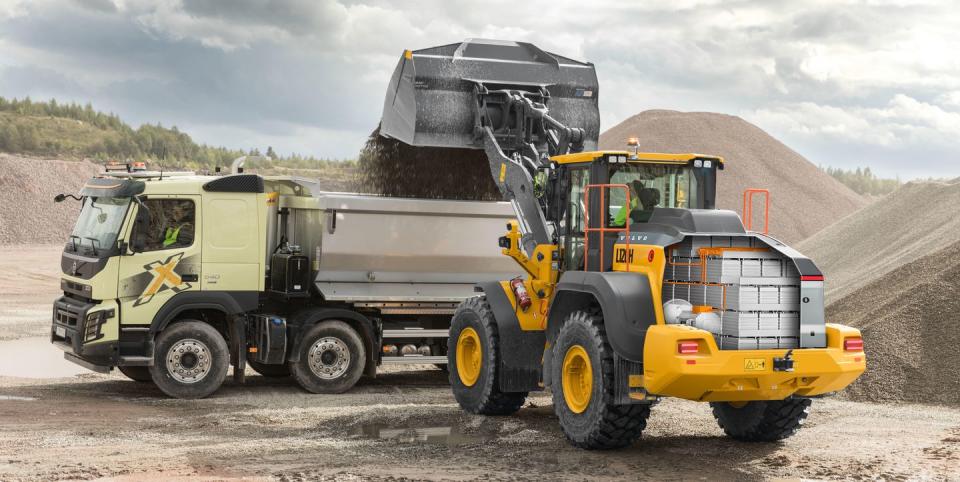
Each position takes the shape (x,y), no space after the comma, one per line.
(853,344)
(816,277)
(688,347)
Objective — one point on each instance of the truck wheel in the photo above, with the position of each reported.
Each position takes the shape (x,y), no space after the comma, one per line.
(190,360)
(473,360)
(761,421)
(331,358)
(269,371)
(137,374)
(583,388)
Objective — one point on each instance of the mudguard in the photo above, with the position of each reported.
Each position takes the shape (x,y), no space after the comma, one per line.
(227,302)
(625,299)
(521,352)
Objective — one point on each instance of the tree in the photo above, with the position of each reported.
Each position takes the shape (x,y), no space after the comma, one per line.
(10,138)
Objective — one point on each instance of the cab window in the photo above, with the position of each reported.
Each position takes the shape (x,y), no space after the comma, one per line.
(575,220)
(172,223)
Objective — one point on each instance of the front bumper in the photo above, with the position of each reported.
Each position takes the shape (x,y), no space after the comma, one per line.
(80,329)
(715,375)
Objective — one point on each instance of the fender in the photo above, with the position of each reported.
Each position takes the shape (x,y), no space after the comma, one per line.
(521,352)
(624,298)
(227,302)
(303,320)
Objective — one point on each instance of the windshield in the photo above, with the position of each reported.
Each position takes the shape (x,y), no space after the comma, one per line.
(651,185)
(98,224)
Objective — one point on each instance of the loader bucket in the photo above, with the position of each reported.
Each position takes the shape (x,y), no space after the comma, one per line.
(431,102)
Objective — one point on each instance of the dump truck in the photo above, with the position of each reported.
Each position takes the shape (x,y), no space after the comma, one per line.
(174,277)
(636,287)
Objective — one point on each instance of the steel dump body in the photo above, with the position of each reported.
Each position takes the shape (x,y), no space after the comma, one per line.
(366,248)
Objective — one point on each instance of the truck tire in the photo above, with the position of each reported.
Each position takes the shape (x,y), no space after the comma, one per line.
(332,358)
(473,361)
(269,371)
(761,421)
(583,388)
(137,374)
(190,361)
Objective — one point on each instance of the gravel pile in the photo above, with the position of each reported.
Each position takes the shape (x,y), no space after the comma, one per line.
(392,168)
(804,199)
(27,187)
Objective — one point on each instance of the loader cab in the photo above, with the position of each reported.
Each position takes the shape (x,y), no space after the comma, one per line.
(603,193)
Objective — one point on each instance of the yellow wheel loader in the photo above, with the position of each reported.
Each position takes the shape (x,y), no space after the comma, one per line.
(636,286)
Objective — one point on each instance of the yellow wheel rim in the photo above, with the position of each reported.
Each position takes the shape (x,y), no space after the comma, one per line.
(577,379)
(469,356)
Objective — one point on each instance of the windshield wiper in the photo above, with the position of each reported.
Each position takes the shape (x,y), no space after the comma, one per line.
(73,240)
(93,243)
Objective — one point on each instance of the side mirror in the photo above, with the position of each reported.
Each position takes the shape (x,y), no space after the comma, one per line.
(59,198)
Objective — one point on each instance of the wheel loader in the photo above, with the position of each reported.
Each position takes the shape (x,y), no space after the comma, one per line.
(636,286)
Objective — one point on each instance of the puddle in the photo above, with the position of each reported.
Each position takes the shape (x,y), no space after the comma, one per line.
(16,398)
(446,435)
(35,357)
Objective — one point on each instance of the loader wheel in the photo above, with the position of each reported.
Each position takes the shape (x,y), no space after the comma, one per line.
(473,361)
(137,374)
(761,421)
(190,360)
(583,388)
(269,371)
(332,358)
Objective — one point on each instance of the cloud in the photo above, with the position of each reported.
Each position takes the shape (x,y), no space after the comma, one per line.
(836,79)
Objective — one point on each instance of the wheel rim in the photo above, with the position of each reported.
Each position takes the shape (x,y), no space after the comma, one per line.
(469,356)
(188,361)
(329,358)
(577,379)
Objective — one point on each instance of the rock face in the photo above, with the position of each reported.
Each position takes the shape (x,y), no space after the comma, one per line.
(27,187)
(804,199)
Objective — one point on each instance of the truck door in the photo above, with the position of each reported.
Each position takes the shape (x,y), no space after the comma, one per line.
(166,258)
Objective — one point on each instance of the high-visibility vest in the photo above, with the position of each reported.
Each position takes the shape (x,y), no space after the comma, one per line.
(621,218)
(171,236)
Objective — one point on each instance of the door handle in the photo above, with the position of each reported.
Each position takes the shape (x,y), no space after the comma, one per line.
(190,277)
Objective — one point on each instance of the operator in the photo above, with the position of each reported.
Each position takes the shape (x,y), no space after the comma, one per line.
(621,218)
(179,231)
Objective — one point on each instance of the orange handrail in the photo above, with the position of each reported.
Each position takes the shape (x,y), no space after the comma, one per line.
(748,209)
(603,221)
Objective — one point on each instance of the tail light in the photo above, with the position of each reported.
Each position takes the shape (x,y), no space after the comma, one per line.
(688,347)
(853,344)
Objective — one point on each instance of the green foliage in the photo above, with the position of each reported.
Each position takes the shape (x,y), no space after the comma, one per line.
(863,181)
(70,130)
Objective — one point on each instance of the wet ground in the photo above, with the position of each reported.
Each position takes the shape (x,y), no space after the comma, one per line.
(58,422)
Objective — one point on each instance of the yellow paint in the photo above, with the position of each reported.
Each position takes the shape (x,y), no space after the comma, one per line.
(540,282)
(722,375)
(635,381)
(640,157)
(577,379)
(407,54)
(469,356)
(163,273)
(635,260)
(503,171)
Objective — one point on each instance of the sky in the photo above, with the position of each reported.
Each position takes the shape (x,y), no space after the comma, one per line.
(845,83)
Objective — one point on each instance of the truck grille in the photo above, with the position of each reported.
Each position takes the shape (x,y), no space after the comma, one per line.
(754,290)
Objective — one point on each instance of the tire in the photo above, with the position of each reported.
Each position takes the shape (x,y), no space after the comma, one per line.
(762,421)
(190,360)
(137,374)
(586,405)
(477,387)
(332,358)
(269,371)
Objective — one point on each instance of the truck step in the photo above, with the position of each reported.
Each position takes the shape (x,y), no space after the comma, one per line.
(136,361)
(415,333)
(414,359)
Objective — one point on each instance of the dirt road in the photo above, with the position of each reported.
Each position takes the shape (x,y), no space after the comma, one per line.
(59,422)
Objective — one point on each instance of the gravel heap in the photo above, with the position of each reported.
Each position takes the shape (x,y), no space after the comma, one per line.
(393,168)
(804,199)
(27,187)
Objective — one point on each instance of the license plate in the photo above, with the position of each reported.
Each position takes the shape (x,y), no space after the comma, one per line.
(755,364)
(60,331)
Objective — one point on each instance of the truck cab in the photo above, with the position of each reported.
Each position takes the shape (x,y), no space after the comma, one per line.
(174,277)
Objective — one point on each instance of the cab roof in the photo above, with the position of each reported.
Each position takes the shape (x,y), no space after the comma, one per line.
(639,157)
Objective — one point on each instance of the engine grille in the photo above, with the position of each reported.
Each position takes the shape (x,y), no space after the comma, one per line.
(754,290)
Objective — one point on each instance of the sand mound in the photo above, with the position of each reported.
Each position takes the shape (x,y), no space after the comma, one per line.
(909,322)
(27,187)
(804,199)
(903,226)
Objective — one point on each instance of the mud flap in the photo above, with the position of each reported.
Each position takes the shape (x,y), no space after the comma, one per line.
(521,352)
(238,348)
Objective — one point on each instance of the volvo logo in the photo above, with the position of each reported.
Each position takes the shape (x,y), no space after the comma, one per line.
(74,269)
